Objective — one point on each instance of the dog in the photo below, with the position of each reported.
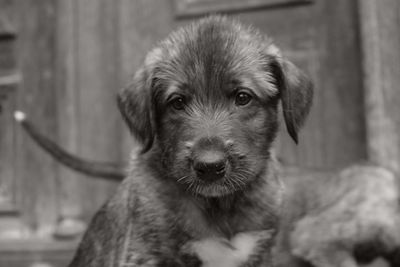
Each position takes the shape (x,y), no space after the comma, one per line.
(203,189)
(344,218)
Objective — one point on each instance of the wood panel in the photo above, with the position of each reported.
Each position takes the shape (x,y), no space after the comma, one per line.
(69,182)
(339,81)
(7,53)
(8,189)
(9,80)
(36,54)
(96,70)
(380,22)
(190,8)
(36,252)
(7,18)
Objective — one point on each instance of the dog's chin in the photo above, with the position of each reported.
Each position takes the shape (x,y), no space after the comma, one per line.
(214,190)
(223,187)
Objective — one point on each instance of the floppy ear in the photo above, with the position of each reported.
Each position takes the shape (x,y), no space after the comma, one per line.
(296,93)
(135,105)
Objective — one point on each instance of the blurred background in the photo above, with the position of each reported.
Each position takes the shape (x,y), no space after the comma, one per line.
(63,61)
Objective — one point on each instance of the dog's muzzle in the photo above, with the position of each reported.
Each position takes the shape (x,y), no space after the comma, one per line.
(209,159)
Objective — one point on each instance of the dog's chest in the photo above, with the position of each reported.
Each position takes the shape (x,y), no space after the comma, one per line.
(219,220)
(220,252)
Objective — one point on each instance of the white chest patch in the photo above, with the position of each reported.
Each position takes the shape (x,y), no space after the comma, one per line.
(219,252)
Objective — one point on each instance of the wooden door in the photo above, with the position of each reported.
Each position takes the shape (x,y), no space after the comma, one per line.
(72,56)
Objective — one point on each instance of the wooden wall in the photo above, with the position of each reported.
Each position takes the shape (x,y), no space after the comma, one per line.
(75,56)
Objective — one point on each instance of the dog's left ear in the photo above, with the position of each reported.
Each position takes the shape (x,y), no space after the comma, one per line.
(296,93)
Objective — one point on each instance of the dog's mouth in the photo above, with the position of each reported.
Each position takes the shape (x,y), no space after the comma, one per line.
(218,188)
(221,181)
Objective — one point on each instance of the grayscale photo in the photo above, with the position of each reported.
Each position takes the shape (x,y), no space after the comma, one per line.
(199,133)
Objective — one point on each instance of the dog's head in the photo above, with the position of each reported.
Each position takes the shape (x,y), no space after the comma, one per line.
(207,98)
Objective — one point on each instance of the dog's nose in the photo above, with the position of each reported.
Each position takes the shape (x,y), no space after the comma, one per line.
(210,170)
(209,157)
(209,160)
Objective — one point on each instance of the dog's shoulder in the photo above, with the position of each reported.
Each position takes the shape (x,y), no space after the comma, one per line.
(131,225)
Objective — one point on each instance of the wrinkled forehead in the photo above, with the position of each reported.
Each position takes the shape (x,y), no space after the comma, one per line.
(213,58)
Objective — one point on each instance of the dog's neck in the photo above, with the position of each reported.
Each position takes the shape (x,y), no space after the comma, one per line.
(241,211)
(218,212)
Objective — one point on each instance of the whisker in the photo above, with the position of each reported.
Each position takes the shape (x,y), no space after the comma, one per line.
(197,189)
(191,185)
(231,183)
(182,178)
(235,183)
(244,171)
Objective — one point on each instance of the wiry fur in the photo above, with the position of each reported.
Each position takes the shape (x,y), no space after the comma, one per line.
(341,218)
(162,207)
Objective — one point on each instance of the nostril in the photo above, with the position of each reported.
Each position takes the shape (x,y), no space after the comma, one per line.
(210,170)
(199,168)
(219,167)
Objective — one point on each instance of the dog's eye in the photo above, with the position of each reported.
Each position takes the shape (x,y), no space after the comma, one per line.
(242,98)
(178,103)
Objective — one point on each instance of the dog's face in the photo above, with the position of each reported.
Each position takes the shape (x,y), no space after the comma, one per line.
(207,100)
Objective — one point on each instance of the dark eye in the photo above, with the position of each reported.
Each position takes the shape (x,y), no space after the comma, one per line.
(242,98)
(178,103)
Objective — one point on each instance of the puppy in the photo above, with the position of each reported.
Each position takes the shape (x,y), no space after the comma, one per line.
(203,190)
(340,219)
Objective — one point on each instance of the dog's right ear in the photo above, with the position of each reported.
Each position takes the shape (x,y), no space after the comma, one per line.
(135,105)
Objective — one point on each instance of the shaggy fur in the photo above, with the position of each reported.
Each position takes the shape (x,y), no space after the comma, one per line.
(340,219)
(204,106)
